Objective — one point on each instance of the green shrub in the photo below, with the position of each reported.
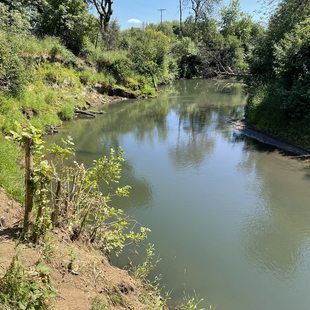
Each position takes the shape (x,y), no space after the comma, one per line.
(10,106)
(20,290)
(115,63)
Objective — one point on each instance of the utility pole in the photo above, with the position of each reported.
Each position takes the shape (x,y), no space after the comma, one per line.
(181,16)
(161,15)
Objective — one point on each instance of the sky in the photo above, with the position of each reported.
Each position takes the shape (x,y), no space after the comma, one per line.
(133,12)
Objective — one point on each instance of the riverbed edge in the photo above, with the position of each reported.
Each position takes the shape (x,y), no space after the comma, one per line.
(244,127)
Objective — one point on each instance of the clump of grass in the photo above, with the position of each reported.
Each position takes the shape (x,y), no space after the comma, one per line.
(10,106)
(66,111)
(98,304)
(191,303)
(115,297)
(90,76)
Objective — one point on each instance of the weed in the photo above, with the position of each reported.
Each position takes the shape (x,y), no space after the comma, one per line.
(73,255)
(115,297)
(98,304)
(142,271)
(47,247)
(192,302)
(21,290)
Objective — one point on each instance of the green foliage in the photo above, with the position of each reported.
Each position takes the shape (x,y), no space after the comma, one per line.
(48,47)
(12,77)
(11,173)
(186,52)
(279,90)
(14,19)
(68,20)
(149,51)
(91,77)
(21,290)
(115,63)
(77,197)
(73,255)
(224,45)
(143,270)
(47,247)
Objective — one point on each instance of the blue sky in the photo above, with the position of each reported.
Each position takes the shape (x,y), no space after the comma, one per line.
(146,10)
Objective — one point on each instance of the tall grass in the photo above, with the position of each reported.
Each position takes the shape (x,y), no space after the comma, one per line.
(11,177)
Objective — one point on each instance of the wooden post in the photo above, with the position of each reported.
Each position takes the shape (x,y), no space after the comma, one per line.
(29,186)
(55,213)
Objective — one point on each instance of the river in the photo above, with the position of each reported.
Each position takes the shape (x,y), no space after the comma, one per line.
(230,217)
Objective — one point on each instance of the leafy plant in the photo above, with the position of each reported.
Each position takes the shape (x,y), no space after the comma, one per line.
(21,290)
(143,270)
(73,255)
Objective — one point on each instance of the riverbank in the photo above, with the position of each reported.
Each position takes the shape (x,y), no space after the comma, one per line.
(81,277)
(246,129)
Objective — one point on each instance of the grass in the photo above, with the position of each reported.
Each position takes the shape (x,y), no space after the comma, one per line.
(11,177)
(48,47)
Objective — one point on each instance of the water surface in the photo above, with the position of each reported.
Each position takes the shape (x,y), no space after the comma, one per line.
(229,217)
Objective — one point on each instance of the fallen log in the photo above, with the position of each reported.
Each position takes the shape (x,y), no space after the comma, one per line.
(96,112)
(82,112)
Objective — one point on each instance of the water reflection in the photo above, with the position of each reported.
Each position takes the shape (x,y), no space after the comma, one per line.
(193,144)
(278,232)
(199,115)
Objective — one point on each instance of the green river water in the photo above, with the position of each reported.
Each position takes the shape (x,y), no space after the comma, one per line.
(230,217)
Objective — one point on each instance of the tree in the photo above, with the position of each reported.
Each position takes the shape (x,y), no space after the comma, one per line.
(279,87)
(66,19)
(104,10)
(148,51)
(201,8)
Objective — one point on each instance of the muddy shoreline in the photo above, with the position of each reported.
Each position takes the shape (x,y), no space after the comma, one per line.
(245,129)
